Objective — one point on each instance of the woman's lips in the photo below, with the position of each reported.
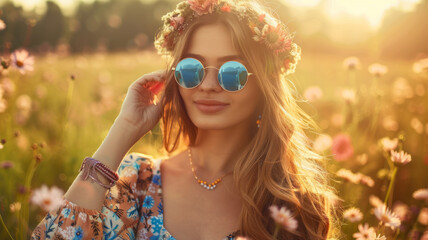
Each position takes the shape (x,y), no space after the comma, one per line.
(210,108)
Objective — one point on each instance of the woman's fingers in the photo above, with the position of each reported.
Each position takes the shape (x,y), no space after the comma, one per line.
(155,86)
(158,75)
(152,80)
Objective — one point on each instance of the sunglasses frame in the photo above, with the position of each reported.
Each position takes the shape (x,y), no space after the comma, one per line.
(205,73)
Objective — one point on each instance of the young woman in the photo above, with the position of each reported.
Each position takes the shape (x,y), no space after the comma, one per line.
(231,119)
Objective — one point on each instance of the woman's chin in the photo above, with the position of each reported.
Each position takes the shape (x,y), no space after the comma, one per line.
(210,123)
(211,126)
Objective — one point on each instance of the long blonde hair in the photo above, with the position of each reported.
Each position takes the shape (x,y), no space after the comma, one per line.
(278,167)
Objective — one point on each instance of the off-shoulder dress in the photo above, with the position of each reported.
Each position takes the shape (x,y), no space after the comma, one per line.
(132,209)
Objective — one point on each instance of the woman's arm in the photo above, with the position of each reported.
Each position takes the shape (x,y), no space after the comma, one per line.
(87,210)
(119,215)
(138,115)
(89,194)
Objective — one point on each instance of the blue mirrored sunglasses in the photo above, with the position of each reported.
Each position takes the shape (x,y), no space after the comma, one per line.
(190,72)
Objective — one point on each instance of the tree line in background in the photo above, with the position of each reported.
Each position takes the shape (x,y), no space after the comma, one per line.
(117,25)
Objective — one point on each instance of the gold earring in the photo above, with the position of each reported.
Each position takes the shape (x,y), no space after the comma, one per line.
(259,121)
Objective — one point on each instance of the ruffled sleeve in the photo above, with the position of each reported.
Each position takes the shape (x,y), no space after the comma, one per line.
(119,216)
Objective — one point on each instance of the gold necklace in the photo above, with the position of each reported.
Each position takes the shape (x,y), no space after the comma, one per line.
(204,184)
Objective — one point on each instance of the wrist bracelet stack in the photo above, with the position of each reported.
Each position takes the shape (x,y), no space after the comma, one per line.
(89,166)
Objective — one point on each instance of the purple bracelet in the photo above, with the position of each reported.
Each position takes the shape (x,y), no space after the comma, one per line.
(89,166)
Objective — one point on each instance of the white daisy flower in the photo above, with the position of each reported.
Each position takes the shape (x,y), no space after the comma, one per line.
(353,214)
(47,199)
(387,217)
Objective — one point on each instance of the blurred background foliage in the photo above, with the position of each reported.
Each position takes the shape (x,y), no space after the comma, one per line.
(116,25)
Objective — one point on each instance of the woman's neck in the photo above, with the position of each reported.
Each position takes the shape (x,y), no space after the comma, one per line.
(216,151)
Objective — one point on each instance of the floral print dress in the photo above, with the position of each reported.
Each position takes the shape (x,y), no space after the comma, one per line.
(132,209)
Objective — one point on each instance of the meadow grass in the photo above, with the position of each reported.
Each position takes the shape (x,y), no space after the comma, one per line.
(75,99)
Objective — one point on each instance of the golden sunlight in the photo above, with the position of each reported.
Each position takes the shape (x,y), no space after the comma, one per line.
(372,10)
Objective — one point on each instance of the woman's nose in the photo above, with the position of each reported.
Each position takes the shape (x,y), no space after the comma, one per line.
(210,81)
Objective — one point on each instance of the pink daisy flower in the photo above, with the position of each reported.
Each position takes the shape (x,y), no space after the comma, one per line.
(349,175)
(313,93)
(402,211)
(378,70)
(322,143)
(420,66)
(366,180)
(349,96)
(342,148)
(351,63)
(365,232)
(421,194)
(389,144)
(423,216)
(2,25)
(353,214)
(400,158)
(283,217)
(22,61)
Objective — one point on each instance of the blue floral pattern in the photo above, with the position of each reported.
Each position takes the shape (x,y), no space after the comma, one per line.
(66,212)
(156,179)
(78,234)
(148,202)
(133,209)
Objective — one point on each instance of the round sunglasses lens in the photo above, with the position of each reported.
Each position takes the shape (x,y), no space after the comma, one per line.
(232,76)
(189,72)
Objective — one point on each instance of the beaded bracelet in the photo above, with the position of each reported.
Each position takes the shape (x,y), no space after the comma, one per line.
(89,166)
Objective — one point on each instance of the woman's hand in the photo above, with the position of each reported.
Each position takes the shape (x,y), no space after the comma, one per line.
(141,109)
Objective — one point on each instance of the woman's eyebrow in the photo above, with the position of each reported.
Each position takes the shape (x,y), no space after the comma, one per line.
(220,59)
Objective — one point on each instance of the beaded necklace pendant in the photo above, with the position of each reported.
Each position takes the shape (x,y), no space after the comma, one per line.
(204,184)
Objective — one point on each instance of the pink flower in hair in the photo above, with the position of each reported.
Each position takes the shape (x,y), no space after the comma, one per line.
(225,8)
(202,7)
(274,37)
(262,17)
(287,63)
(175,21)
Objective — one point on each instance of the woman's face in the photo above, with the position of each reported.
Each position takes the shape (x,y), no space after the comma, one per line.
(208,105)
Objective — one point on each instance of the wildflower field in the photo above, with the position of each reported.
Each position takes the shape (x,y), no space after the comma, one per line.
(55,109)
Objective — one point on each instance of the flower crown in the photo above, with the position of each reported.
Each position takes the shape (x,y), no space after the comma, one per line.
(265,28)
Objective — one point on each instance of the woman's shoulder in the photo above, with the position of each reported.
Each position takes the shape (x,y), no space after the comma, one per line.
(137,165)
(136,173)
